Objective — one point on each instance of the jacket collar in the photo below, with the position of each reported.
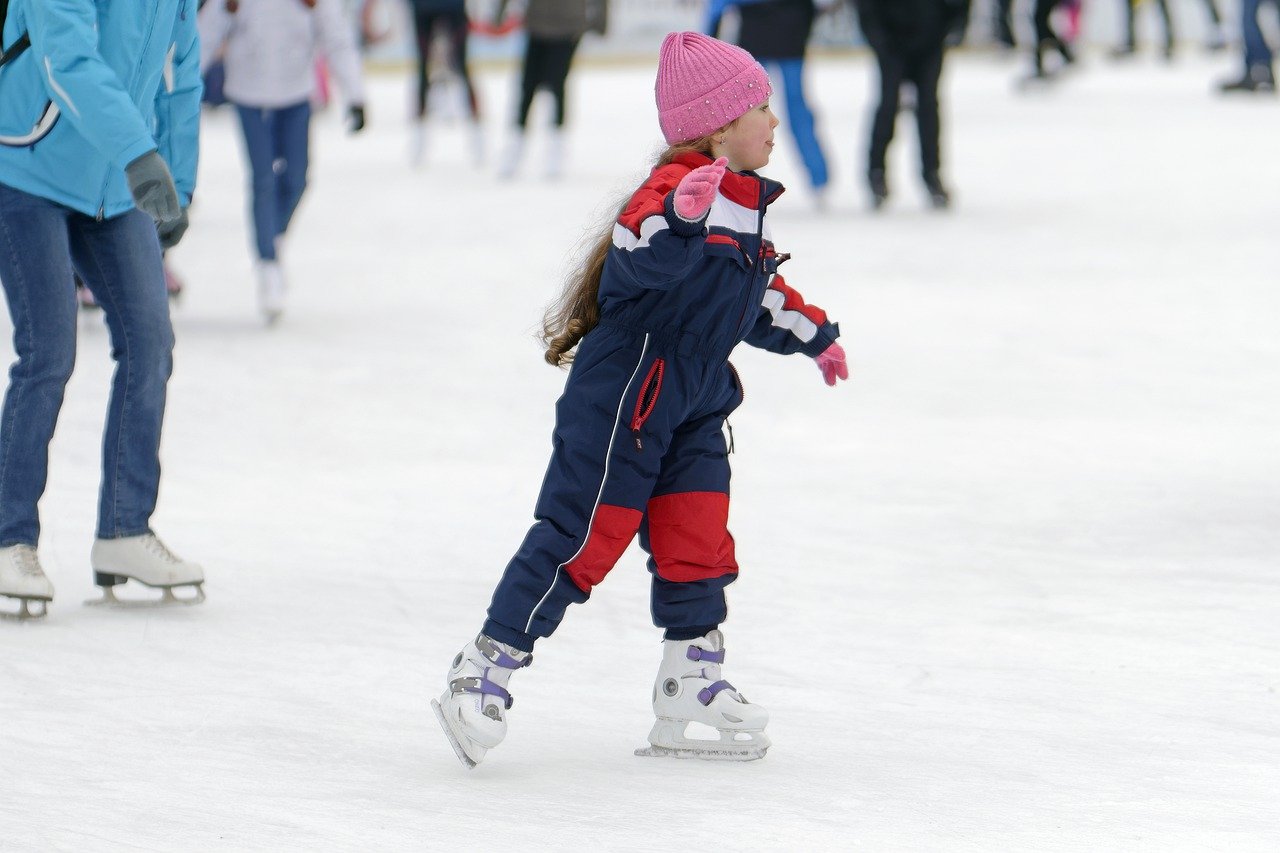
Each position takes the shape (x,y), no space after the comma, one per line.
(748,189)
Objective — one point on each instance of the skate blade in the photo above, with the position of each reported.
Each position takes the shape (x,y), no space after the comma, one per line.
(453,739)
(710,753)
(168,599)
(25,612)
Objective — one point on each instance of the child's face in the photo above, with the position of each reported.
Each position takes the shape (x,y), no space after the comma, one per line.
(748,141)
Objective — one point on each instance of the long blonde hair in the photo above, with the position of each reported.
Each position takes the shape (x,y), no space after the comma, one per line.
(577,310)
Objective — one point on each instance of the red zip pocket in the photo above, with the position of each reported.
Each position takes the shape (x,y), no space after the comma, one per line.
(648,398)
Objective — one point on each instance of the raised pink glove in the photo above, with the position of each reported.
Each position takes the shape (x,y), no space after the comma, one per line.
(832,364)
(697,190)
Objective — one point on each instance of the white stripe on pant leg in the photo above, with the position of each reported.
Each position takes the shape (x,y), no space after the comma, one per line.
(617,418)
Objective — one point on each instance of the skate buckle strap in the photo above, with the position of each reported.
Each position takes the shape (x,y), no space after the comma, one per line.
(483,686)
(707,655)
(496,656)
(706,694)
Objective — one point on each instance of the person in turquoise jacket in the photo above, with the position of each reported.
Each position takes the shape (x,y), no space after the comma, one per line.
(99,125)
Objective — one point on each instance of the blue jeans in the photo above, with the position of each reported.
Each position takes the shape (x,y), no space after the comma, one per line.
(800,119)
(276,142)
(119,261)
(1256,50)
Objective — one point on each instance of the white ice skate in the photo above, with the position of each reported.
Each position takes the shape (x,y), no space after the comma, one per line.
(271,290)
(690,694)
(509,164)
(555,154)
(21,578)
(417,142)
(148,561)
(471,710)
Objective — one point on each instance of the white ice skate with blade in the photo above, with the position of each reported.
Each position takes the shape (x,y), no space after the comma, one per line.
(472,710)
(22,578)
(690,692)
(148,561)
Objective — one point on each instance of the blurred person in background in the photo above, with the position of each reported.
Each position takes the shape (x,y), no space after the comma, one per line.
(1047,38)
(553,30)
(1258,74)
(1004,23)
(1130,45)
(776,33)
(443,22)
(269,50)
(99,125)
(909,38)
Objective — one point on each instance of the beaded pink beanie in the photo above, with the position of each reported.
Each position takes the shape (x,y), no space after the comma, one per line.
(703,84)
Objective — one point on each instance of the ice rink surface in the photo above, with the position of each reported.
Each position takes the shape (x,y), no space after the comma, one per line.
(1013,587)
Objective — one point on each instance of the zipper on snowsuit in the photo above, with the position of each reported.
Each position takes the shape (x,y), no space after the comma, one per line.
(648,398)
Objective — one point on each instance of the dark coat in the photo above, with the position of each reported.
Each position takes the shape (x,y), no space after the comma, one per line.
(775,29)
(910,24)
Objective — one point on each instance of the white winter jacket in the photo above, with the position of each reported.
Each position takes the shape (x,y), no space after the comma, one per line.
(271,48)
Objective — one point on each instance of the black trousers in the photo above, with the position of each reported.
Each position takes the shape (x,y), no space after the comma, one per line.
(454,27)
(1004,22)
(1045,35)
(921,66)
(546,66)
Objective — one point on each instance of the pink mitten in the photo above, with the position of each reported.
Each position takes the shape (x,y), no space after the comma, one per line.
(832,364)
(697,190)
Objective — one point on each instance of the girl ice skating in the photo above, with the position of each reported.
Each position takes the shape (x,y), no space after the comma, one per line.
(685,273)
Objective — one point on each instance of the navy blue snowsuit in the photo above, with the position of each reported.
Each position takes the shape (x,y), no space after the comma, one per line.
(638,443)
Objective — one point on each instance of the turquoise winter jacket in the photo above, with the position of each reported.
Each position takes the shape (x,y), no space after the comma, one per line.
(104,82)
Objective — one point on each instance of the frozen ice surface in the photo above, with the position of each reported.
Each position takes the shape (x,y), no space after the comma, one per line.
(1013,587)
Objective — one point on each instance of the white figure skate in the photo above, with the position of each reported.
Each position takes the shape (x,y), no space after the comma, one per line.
(690,691)
(471,710)
(148,561)
(271,291)
(22,578)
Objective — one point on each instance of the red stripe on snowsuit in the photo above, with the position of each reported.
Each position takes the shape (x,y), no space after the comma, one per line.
(612,529)
(649,199)
(689,536)
(793,301)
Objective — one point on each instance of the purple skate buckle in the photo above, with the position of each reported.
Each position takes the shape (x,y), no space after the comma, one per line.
(706,694)
(483,686)
(696,653)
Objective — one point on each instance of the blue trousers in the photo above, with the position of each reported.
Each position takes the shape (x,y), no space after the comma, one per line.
(276,142)
(1256,49)
(119,261)
(800,119)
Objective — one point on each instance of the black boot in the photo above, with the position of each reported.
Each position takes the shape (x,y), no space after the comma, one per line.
(1258,78)
(938,195)
(879,188)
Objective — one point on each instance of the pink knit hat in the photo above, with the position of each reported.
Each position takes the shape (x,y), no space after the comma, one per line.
(703,84)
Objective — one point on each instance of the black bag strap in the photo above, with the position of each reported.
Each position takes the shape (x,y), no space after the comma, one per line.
(15,49)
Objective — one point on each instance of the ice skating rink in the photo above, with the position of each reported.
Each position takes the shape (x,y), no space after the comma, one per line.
(1013,587)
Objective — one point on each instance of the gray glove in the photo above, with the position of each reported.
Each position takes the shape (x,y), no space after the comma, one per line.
(152,187)
(171,232)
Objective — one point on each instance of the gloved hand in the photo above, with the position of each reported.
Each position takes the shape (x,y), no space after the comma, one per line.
(832,364)
(697,190)
(152,187)
(171,232)
(355,118)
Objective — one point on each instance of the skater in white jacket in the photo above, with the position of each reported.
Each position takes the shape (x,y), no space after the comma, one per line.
(270,54)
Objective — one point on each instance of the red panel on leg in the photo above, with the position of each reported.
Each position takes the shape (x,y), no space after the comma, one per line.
(611,532)
(689,536)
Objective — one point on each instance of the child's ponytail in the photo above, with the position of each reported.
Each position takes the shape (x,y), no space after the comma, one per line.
(577,310)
